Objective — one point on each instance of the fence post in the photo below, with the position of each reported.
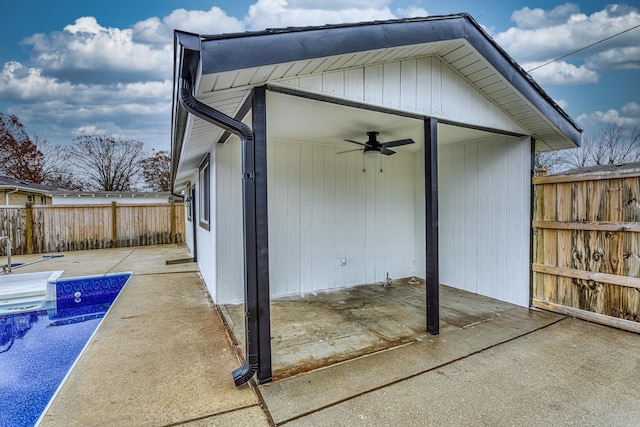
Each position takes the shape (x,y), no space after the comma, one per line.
(29,227)
(173,222)
(114,225)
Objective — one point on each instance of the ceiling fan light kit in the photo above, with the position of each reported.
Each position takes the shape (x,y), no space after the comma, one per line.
(373,147)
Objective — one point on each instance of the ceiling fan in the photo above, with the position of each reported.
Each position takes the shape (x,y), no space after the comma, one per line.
(375,147)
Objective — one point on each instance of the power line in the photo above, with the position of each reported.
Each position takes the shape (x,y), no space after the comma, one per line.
(583,48)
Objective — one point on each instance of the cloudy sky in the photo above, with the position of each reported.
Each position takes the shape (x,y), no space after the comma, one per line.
(77,67)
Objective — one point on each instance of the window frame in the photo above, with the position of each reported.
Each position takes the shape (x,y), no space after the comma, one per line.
(204,204)
(188,202)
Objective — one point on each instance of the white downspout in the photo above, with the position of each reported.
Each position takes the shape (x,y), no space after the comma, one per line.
(6,195)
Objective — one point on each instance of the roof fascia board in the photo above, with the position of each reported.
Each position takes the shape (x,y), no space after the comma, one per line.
(520,80)
(269,48)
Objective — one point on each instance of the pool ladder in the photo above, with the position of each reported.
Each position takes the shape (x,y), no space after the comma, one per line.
(7,268)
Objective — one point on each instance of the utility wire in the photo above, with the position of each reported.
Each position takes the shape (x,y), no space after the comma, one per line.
(583,48)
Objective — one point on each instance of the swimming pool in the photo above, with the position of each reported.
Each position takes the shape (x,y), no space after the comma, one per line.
(38,348)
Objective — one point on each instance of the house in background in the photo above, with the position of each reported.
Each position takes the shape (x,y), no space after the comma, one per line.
(67,197)
(265,125)
(17,192)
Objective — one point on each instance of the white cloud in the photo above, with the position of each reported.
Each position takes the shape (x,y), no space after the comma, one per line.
(86,51)
(278,13)
(19,83)
(338,4)
(561,73)
(160,31)
(539,18)
(412,12)
(622,58)
(628,115)
(632,109)
(542,35)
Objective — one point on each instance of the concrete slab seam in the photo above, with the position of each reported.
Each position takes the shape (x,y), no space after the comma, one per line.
(450,362)
(215,414)
(122,260)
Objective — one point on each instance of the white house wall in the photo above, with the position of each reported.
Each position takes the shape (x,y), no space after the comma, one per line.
(228,222)
(425,86)
(323,208)
(188,225)
(206,239)
(484,205)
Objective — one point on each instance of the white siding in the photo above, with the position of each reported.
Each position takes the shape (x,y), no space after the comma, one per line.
(425,86)
(322,207)
(205,239)
(484,218)
(188,225)
(228,257)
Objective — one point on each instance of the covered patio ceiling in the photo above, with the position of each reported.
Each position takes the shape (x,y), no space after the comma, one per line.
(297,119)
(291,118)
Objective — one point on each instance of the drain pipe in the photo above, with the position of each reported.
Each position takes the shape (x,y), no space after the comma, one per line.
(244,132)
(6,195)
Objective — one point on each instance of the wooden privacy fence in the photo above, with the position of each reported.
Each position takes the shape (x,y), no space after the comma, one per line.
(586,254)
(51,228)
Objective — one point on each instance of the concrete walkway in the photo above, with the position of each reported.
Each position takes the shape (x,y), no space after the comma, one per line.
(161,355)
(163,358)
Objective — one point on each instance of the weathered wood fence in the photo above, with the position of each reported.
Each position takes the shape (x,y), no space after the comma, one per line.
(51,228)
(586,260)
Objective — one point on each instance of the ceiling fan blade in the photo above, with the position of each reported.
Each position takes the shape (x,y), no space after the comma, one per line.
(386,151)
(356,142)
(397,143)
(349,151)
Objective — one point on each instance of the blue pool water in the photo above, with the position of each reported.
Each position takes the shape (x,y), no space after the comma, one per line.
(37,349)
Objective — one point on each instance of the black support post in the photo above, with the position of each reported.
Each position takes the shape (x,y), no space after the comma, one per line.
(259,115)
(431,224)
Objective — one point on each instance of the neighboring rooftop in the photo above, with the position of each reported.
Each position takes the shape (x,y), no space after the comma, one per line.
(6,182)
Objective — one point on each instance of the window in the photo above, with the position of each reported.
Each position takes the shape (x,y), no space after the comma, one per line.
(29,198)
(205,195)
(188,201)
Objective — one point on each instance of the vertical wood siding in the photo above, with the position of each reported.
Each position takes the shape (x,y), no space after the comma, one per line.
(484,214)
(322,207)
(424,86)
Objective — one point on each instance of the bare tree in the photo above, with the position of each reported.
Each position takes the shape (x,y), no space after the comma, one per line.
(552,161)
(615,144)
(20,158)
(107,163)
(156,171)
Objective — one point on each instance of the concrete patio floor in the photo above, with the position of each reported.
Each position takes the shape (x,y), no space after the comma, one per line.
(162,357)
(319,329)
